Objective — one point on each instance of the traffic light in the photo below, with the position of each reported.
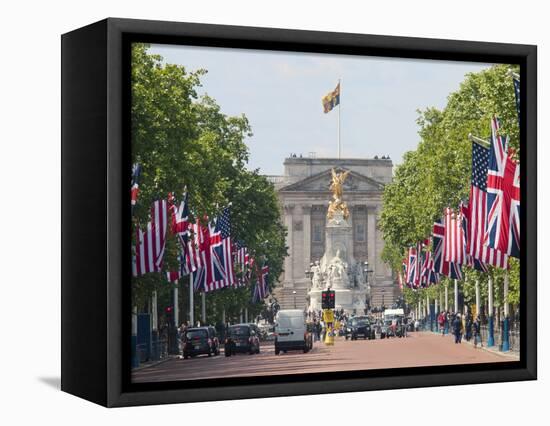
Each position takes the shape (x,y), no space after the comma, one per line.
(169,311)
(328,299)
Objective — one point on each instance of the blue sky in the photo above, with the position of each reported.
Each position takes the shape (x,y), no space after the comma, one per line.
(280,93)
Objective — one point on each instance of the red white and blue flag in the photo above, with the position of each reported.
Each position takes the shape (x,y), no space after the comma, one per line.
(242,263)
(261,290)
(428,274)
(441,266)
(223,274)
(503,196)
(475,224)
(455,243)
(150,244)
(410,276)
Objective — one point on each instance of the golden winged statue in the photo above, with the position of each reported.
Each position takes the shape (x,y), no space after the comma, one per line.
(337,187)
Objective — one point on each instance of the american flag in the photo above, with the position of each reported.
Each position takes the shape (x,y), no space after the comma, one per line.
(475,223)
(223,274)
(134,188)
(261,289)
(471,261)
(503,196)
(241,261)
(150,244)
(441,266)
(455,243)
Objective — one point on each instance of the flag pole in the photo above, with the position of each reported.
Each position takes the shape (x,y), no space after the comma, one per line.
(339,117)
(191,302)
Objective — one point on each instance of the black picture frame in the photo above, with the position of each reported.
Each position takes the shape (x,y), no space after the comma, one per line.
(95,211)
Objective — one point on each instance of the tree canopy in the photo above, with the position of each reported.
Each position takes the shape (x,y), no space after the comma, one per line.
(437,174)
(183,140)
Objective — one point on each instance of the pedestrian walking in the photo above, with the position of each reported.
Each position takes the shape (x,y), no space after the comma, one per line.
(468,328)
(441,322)
(457,328)
(477,332)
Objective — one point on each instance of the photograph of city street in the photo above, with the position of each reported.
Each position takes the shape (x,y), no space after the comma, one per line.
(298,213)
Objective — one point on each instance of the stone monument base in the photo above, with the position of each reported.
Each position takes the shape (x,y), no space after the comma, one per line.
(352,301)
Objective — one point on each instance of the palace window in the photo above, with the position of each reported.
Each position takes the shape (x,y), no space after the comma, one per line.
(359,232)
(317,236)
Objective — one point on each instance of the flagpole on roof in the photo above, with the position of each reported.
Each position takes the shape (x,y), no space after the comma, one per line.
(339,116)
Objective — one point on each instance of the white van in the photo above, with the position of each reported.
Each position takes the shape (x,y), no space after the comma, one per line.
(291,331)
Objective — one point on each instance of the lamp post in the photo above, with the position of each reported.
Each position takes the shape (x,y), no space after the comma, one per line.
(367,271)
(294,293)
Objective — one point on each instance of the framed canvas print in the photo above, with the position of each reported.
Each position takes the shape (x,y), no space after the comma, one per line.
(255,212)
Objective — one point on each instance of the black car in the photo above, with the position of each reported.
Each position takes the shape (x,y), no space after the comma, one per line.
(242,338)
(359,327)
(200,341)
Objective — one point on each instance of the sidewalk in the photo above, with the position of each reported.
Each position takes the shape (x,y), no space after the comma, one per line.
(494,349)
(155,363)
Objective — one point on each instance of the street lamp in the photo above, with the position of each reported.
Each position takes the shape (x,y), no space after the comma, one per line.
(294,293)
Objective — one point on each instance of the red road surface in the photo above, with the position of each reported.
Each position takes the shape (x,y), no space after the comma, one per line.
(419,349)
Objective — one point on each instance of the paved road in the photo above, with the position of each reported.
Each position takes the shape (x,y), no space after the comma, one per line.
(419,349)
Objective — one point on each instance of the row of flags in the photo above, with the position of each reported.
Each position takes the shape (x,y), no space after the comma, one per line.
(484,231)
(207,250)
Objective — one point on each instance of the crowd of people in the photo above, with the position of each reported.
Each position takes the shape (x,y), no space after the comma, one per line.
(461,326)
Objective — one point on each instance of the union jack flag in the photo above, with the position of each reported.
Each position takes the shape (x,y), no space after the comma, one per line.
(428,275)
(411,267)
(441,266)
(503,196)
(475,214)
(150,244)
(223,274)
(198,247)
(261,290)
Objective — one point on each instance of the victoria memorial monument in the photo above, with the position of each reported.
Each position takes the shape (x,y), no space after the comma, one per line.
(331,208)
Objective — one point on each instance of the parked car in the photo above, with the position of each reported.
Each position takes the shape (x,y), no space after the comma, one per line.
(242,338)
(360,327)
(200,341)
(291,331)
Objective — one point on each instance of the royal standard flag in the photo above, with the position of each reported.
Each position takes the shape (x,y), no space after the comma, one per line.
(331,99)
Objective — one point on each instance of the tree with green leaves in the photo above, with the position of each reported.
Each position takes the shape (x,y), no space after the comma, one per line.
(182,141)
(437,174)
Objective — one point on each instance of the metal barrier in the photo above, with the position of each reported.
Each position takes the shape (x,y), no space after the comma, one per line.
(514,336)
(156,351)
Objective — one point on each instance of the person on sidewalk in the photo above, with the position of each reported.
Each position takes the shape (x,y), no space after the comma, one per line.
(468,334)
(457,328)
(441,322)
(477,332)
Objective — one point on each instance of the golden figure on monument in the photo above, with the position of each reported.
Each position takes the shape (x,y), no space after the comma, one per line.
(337,205)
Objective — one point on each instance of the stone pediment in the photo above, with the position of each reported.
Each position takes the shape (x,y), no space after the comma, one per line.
(321,182)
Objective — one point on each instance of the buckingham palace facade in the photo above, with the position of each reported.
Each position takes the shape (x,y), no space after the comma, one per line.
(304,197)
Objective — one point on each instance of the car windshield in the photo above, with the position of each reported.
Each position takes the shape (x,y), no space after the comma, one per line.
(239,331)
(359,322)
(196,334)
